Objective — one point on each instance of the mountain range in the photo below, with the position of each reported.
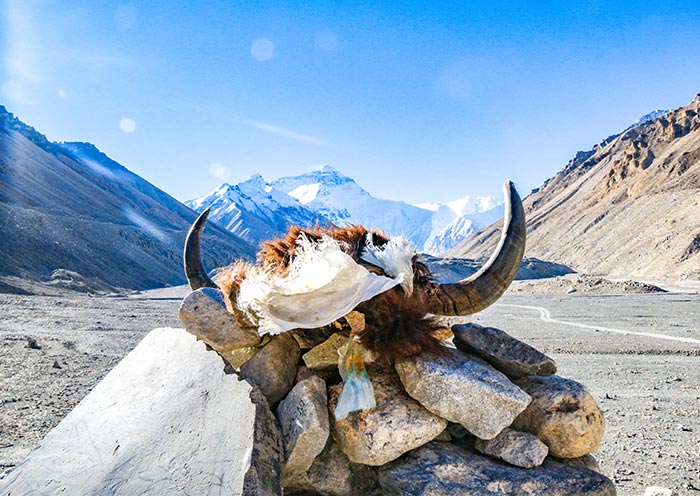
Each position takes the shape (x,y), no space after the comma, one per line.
(630,206)
(69,211)
(257,210)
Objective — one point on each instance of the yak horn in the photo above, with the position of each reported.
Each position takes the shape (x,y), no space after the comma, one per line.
(194,270)
(480,290)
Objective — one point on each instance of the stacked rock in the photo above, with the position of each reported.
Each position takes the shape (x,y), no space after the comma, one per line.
(488,417)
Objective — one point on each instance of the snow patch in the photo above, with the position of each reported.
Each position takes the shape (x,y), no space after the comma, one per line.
(305,193)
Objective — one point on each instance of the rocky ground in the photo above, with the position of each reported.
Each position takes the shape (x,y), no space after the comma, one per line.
(581,283)
(55,349)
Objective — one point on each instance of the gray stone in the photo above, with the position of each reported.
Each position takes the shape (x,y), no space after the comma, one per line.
(325,355)
(463,389)
(332,474)
(203,313)
(442,469)
(585,461)
(508,354)
(396,425)
(520,449)
(274,367)
(563,414)
(303,418)
(165,420)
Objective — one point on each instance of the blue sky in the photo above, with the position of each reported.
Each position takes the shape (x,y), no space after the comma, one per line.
(417,101)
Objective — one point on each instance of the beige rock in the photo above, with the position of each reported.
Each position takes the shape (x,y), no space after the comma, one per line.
(508,354)
(520,449)
(443,469)
(332,474)
(237,358)
(463,389)
(563,414)
(396,425)
(325,355)
(303,418)
(203,313)
(274,367)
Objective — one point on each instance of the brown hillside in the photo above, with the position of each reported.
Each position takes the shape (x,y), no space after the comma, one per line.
(628,207)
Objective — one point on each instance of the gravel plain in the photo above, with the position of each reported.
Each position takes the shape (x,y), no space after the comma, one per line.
(54,349)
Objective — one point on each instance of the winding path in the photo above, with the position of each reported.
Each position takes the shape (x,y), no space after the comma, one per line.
(546,317)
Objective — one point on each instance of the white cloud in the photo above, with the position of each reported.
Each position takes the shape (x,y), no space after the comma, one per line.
(326,41)
(269,128)
(127,125)
(63,93)
(23,42)
(262,49)
(219,171)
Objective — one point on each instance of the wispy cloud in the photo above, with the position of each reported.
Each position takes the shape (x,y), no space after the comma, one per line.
(22,70)
(269,128)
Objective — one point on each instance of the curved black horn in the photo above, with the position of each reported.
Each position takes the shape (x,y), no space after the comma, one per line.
(480,290)
(194,270)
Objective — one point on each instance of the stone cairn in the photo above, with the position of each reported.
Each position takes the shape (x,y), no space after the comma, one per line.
(490,418)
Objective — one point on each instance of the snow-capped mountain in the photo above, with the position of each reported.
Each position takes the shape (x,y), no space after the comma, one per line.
(256,210)
(648,117)
(341,200)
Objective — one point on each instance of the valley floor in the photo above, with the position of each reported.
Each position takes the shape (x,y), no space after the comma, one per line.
(637,353)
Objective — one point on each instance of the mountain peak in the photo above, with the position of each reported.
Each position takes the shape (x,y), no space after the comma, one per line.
(327,169)
(256,180)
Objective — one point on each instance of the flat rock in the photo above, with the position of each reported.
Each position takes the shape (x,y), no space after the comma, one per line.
(508,354)
(443,469)
(325,355)
(165,420)
(332,474)
(303,418)
(563,414)
(203,313)
(520,449)
(381,434)
(274,367)
(463,389)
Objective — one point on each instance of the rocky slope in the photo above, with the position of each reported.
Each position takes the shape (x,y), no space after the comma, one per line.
(628,207)
(69,206)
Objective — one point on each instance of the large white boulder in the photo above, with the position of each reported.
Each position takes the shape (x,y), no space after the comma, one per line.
(166,420)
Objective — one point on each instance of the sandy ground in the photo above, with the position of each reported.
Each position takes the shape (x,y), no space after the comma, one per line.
(648,383)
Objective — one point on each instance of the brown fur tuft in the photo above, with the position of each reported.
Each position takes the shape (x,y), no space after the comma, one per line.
(276,255)
(397,327)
